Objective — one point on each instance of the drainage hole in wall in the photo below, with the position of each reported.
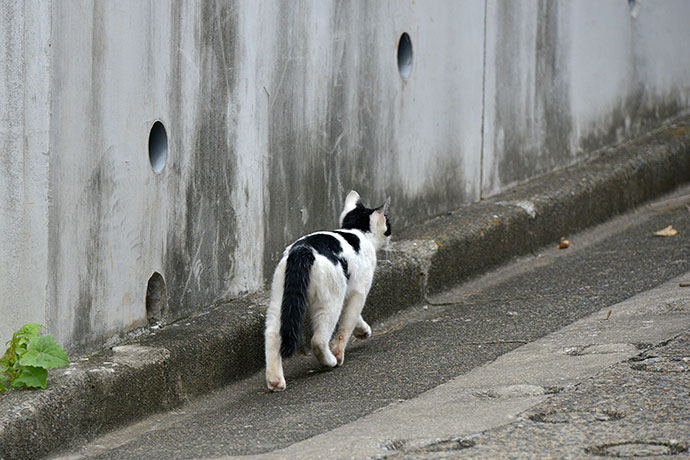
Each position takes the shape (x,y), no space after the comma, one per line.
(156,298)
(405,55)
(158,146)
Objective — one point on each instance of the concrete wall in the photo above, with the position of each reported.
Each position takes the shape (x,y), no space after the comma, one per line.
(565,78)
(24,159)
(274,110)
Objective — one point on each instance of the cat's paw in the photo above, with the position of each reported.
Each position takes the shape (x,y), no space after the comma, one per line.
(329,361)
(325,357)
(338,348)
(276,383)
(362,332)
(339,356)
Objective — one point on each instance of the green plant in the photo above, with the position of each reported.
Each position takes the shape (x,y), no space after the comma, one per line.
(28,358)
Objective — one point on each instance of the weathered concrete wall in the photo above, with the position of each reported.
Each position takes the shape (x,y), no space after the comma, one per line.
(119,67)
(274,110)
(24,157)
(340,116)
(564,79)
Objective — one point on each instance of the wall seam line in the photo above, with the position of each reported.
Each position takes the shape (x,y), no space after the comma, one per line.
(481,149)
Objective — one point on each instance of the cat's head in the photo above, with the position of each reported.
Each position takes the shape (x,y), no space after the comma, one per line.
(372,222)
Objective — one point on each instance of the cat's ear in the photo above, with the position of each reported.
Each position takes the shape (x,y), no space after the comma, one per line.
(383,209)
(352,198)
(385,205)
(351,201)
(380,215)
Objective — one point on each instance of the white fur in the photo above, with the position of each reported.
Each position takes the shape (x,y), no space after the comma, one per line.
(332,298)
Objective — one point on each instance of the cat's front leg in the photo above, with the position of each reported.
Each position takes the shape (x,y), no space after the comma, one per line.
(362,329)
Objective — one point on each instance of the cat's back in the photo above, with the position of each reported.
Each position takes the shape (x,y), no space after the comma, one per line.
(348,249)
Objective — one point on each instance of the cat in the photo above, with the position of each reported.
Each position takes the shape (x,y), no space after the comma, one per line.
(329,273)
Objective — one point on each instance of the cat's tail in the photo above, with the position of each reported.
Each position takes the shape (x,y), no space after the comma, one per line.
(294,305)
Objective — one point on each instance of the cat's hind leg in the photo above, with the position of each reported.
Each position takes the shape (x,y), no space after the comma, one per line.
(327,294)
(324,320)
(350,317)
(275,380)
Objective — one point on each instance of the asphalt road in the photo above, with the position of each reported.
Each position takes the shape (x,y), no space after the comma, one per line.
(421,348)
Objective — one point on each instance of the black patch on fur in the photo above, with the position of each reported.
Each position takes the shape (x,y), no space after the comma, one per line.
(327,246)
(343,265)
(351,238)
(294,304)
(358,218)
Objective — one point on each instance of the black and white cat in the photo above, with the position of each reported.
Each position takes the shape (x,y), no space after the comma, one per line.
(330,274)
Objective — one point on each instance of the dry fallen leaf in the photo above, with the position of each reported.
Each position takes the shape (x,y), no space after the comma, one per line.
(563,244)
(668,231)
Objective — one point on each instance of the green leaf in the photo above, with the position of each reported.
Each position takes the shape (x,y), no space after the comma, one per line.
(24,335)
(44,352)
(22,342)
(7,372)
(29,329)
(14,368)
(32,377)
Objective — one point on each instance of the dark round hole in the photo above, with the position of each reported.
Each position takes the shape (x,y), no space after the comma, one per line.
(405,55)
(158,146)
(156,298)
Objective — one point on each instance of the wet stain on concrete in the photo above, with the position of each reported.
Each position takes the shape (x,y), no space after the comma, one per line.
(533,116)
(199,261)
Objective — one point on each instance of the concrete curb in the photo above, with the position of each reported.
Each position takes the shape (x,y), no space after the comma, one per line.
(173,364)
